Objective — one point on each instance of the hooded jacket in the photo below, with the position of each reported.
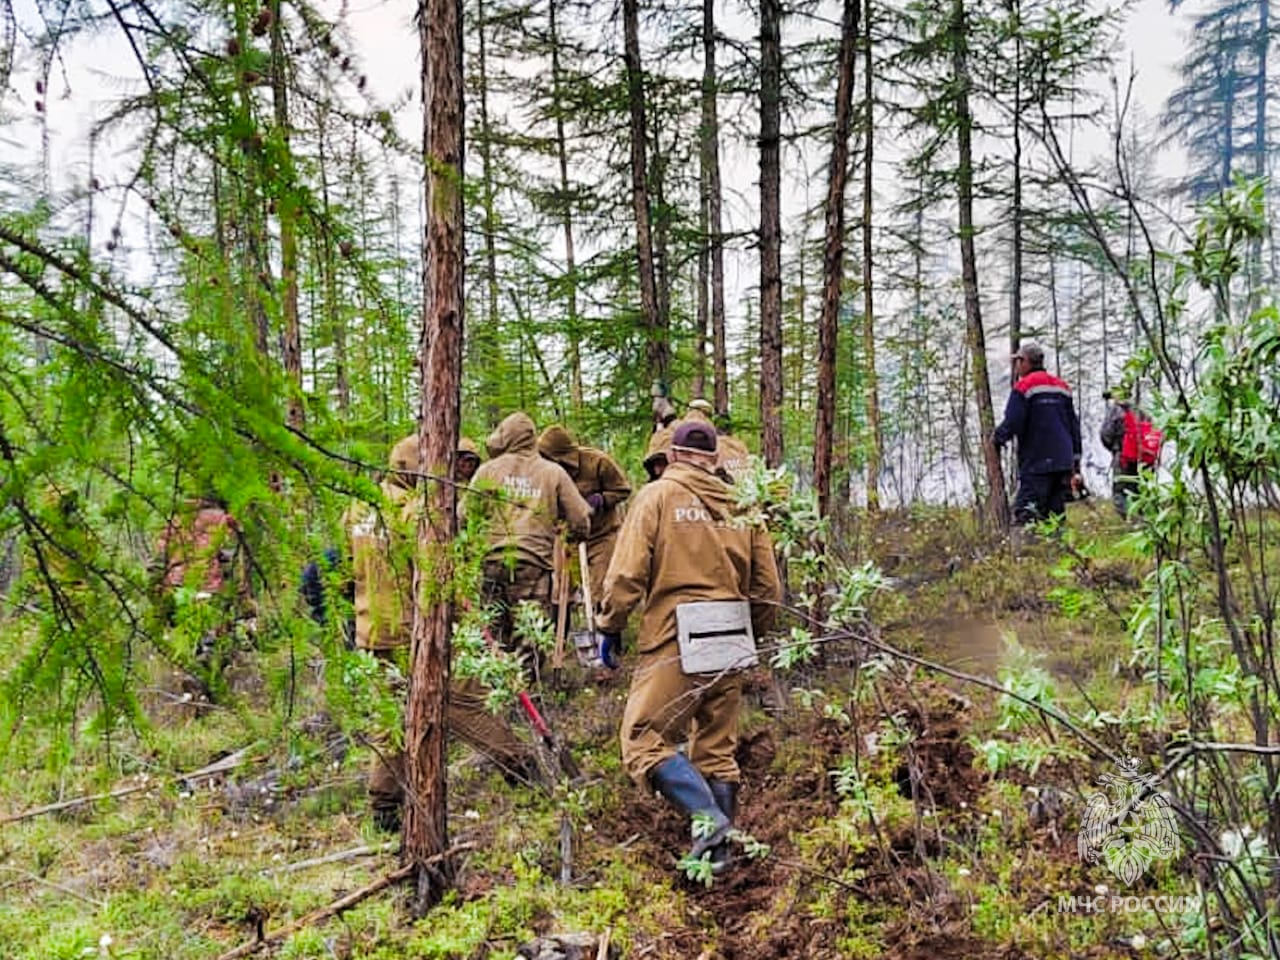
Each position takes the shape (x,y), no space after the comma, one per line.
(659,446)
(593,471)
(732,455)
(535,495)
(381,560)
(1042,416)
(679,544)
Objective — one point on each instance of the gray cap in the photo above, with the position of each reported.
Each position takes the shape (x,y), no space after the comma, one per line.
(1033,353)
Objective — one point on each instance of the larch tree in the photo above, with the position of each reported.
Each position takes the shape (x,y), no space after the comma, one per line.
(657,348)
(771,231)
(996,503)
(833,257)
(440,355)
(871,398)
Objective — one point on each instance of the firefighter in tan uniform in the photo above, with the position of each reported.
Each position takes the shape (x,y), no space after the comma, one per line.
(530,497)
(680,549)
(732,455)
(658,454)
(382,545)
(602,484)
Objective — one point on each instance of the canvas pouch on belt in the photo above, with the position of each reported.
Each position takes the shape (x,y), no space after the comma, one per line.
(715,636)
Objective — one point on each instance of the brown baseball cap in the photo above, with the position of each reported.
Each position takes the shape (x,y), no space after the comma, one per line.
(694,435)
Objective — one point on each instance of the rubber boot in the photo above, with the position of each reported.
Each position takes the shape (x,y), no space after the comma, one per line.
(684,786)
(726,794)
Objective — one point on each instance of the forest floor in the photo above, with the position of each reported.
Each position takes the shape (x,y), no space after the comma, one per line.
(916,816)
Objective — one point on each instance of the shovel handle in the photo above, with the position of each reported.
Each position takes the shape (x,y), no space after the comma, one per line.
(586,585)
(535,718)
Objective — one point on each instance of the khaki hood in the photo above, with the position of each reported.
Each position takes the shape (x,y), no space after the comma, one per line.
(556,444)
(659,444)
(515,434)
(467,445)
(716,495)
(404,456)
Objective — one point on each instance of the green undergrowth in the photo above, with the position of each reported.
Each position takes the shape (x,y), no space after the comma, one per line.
(856,868)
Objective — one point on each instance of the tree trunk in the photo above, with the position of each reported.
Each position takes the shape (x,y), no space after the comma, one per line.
(875,445)
(334,314)
(657,353)
(488,224)
(710,157)
(770,232)
(996,506)
(287,206)
(1015,281)
(440,354)
(833,258)
(566,214)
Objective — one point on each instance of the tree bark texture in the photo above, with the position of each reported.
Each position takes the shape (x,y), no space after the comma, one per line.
(833,258)
(710,154)
(566,214)
(440,355)
(770,232)
(875,437)
(657,350)
(996,504)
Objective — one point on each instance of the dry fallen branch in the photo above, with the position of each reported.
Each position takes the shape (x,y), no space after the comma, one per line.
(229,762)
(340,905)
(338,857)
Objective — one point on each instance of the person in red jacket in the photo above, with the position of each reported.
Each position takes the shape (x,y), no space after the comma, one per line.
(1041,415)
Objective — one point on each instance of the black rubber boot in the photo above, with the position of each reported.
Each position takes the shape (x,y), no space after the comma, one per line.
(683,785)
(726,795)
(387,819)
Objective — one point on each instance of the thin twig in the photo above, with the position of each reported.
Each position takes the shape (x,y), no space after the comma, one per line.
(340,905)
(229,762)
(36,878)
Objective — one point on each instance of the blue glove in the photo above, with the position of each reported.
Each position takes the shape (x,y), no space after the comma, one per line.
(595,501)
(610,649)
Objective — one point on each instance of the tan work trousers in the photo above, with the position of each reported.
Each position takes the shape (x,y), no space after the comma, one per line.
(666,707)
(508,586)
(471,722)
(599,553)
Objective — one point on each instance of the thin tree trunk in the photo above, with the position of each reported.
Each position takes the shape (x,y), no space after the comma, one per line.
(657,352)
(661,228)
(440,352)
(711,160)
(334,314)
(1261,148)
(770,232)
(703,299)
(287,206)
(997,506)
(1015,282)
(833,258)
(566,214)
(875,446)
(488,223)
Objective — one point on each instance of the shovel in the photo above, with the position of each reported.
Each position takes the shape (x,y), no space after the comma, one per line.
(587,643)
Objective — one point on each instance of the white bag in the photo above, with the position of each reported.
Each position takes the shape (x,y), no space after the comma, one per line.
(715,636)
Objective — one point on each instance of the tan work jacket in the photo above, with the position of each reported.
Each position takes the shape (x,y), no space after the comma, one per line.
(535,494)
(679,545)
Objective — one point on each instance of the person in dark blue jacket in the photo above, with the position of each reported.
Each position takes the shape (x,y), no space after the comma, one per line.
(1041,416)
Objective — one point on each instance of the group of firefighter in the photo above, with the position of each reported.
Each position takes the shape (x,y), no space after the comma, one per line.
(704,577)
(708,585)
